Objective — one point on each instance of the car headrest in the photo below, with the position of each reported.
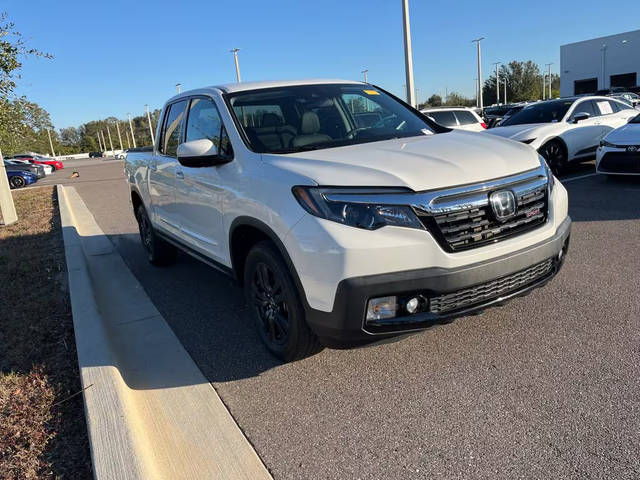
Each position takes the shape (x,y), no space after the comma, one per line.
(271,120)
(310,123)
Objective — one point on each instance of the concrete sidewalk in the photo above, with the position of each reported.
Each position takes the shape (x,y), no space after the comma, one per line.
(151,413)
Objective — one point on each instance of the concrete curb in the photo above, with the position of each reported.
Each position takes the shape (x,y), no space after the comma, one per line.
(151,413)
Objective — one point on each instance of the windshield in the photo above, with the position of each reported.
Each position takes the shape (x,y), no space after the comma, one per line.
(543,112)
(311,117)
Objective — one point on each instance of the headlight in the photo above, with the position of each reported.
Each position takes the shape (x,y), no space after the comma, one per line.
(604,143)
(368,216)
(552,179)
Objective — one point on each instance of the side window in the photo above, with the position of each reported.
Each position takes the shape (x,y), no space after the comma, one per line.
(586,107)
(203,122)
(172,129)
(444,118)
(604,107)
(465,117)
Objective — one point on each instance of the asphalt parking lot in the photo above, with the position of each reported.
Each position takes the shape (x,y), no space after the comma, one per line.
(546,386)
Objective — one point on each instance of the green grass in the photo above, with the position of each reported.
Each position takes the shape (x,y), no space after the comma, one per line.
(42,425)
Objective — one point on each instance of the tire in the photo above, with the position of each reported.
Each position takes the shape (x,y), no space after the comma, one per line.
(159,252)
(17,182)
(555,154)
(274,300)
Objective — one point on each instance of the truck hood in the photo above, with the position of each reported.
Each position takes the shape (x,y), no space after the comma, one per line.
(628,134)
(525,131)
(419,163)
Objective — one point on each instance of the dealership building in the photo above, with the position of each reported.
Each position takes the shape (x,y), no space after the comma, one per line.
(600,63)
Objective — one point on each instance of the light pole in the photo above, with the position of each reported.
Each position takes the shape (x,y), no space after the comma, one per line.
(235,58)
(7,208)
(51,143)
(104,142)
(153,141)
(178,85)
(110,142)
(133,137)
(475,80)
(364,72)
(549,67)
(128,142)
(505,92)
(408,60)
(544,84)
(497,83)
(477,42)
(603,49)
(119,136)
(99,142)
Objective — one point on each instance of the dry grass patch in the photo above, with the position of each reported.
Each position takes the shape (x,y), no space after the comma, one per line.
(42,425)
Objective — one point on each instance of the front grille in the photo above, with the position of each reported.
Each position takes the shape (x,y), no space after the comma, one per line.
(450,302)
(620,162)
(476,226)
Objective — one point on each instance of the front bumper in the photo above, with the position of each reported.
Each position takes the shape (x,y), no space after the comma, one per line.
(345,324)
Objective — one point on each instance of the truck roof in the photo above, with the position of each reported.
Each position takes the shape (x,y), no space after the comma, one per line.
(243,86)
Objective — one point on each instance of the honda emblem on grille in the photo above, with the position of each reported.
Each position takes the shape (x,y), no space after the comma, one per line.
(632,148)
(503,204)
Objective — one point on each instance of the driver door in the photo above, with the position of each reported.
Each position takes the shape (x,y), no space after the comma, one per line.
(582,138)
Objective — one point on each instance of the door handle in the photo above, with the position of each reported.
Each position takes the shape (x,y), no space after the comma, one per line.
(179,175)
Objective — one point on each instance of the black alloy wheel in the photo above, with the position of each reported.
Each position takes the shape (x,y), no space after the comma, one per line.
(269,301)
(555,155)
(159,252)
(17,182)
(275,301)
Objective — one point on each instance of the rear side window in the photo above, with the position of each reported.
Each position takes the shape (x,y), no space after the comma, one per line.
(604,106)
(204,122)
(465,117)
(172,129)
(444,118)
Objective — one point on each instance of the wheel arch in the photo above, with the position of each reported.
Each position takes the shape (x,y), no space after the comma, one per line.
(558,139)
(245,232)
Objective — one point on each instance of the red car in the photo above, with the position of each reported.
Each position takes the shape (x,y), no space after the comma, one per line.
(56,164)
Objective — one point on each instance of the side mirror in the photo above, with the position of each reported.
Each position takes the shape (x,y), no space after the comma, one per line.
(578,117)
(200,153)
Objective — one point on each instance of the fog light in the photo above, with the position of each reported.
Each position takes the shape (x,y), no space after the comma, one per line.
(412,305)
(383,307)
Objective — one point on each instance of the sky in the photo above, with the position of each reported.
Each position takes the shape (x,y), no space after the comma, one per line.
(112,58)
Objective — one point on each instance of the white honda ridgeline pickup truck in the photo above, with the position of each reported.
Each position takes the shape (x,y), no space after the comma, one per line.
(346,214)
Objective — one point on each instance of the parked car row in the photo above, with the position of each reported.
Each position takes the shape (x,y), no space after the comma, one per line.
(562,130)
(25,169)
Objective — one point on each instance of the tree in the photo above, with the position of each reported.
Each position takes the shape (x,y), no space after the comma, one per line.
(524,83)
(434,100)
(454,99)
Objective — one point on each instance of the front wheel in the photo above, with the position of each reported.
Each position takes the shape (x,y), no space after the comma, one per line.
(273,297)
(555,155)
(159,252)
(17,182)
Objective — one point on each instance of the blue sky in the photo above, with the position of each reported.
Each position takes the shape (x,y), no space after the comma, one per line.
(114,57)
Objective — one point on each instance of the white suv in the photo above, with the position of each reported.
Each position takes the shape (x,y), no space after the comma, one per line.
(462,118)
(567,129)
(347,215)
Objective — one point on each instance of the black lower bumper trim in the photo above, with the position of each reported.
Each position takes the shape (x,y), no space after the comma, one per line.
(345,324)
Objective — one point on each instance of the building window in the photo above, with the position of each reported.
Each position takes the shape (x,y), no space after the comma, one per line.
(588,85)
(625,80)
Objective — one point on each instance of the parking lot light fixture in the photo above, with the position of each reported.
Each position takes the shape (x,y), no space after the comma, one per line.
(133,137)
(235,59)
(505,91)
(497,83)
(53,153)
(150,127)
(408,56)
(364,72)
(110,142)
(477,42)
(549,67)
(119,136)
(104,142)
(544,84)
(178,85)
